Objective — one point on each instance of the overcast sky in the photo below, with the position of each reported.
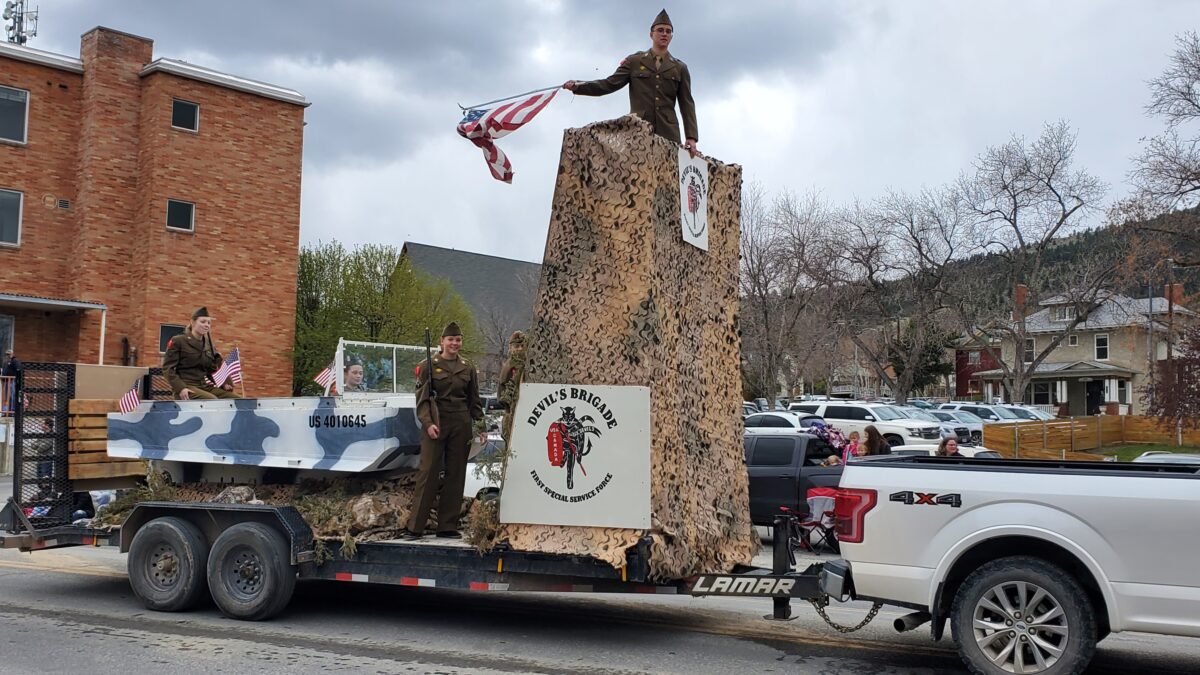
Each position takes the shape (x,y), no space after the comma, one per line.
(846,98)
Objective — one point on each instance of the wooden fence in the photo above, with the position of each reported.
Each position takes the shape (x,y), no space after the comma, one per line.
(1069,438)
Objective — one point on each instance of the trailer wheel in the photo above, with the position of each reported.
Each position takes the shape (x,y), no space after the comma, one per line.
(249,573)
(167,561)
(1023,615)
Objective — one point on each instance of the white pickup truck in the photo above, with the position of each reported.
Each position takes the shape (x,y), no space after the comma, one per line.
(1032,562)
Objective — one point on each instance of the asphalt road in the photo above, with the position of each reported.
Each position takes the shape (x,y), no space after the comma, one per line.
(71,610)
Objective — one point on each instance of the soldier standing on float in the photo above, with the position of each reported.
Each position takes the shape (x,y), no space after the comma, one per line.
(191,358)
(448,419)
(511,375)
(656,80)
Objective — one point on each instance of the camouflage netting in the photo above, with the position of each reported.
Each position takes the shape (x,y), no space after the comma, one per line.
(348,510)
(624,301)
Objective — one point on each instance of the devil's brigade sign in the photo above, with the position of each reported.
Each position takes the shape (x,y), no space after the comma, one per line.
(580,456)
(693,199)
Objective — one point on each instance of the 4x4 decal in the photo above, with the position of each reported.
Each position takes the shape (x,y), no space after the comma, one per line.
(909,497)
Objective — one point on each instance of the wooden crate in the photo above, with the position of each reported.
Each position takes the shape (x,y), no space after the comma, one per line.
(87,443)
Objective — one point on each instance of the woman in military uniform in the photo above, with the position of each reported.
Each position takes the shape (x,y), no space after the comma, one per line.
(191,358)
(447,415)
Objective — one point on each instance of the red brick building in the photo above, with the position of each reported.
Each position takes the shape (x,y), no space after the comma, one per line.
(970,359)
(134,189)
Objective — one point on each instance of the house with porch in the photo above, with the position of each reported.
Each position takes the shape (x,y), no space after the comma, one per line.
(1107,359)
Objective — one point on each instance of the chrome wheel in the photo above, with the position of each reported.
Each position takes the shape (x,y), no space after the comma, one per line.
(1020,627)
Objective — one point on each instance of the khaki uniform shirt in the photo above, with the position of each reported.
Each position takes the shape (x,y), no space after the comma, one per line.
(653,90)
(189,360)
(457,387)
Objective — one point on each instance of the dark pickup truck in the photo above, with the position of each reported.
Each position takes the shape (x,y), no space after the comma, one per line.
(782,468)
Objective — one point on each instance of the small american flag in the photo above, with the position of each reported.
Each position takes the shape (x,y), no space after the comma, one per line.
(482,127)
(326,376)
(129,402)
(231,369)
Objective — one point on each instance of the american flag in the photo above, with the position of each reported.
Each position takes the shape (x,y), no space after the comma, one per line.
(482,127)
(231,369)
(129,402)
(326,376)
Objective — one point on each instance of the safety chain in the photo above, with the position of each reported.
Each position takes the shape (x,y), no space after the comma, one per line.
(821,604)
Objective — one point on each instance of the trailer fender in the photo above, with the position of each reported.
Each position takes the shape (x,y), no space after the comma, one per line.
(213,519)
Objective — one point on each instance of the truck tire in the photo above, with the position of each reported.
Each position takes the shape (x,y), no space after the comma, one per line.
(168,558)
(250,575)
(893,440)
(1023,614)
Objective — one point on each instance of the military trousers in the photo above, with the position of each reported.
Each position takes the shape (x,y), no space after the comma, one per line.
(207,391)
(450,451)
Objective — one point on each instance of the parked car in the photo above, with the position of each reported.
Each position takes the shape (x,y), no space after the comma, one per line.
(990,414)
(779,422)
(953,430)
(477,485)
(1028,413)
(748,408)
(894,426)
(921,403)
(762,404)
(971,421)
(782,468)
(931,450)
(1165,457)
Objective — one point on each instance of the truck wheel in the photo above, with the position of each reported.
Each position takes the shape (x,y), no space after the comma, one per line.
(167,562)
(1023,615)
(249,573)
(893,440)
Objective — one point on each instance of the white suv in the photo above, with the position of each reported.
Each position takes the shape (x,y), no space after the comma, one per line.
(894,426)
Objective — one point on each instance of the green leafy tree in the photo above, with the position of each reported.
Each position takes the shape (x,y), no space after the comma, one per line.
(930,365)
(369,294)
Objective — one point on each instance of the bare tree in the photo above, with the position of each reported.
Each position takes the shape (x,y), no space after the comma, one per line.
(1024,197)
(1167,172)
(776,284)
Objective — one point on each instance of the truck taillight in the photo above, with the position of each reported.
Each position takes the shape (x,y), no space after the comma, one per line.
(849,510)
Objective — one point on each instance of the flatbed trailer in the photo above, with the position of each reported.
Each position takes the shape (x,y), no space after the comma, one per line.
(249,557)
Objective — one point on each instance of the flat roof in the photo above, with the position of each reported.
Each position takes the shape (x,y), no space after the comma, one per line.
(172,66)
(39,302)
(31,55)
(202,74)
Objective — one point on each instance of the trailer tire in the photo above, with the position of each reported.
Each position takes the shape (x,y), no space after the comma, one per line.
(250,575)
(1052,616)
(168,559)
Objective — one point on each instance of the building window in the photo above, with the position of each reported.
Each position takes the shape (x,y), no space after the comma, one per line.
(181,215)
(185,115)
(167,331)
(6,333)
(1041,393)
(1122,391)
(973,358)
(1072,340)
(10,217)
(1102,347)
(1030,348)
(1064,313)
(14,114)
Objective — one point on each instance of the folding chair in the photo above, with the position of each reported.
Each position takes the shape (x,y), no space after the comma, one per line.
(817,528)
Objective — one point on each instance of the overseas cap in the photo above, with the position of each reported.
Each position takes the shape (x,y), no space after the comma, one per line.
(452,330)
(662,19)
(203,311)
(518,338)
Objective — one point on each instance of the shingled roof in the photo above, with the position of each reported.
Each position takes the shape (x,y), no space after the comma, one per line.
(491,285)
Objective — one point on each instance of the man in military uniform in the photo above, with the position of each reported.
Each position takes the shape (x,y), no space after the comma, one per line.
(352,376)
(656,80)
(191,358)
(447,416)
(511,375)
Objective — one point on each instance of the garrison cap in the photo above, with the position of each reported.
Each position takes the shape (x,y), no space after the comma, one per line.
(662,19)
(452,330)
(203,311)
(517,338)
